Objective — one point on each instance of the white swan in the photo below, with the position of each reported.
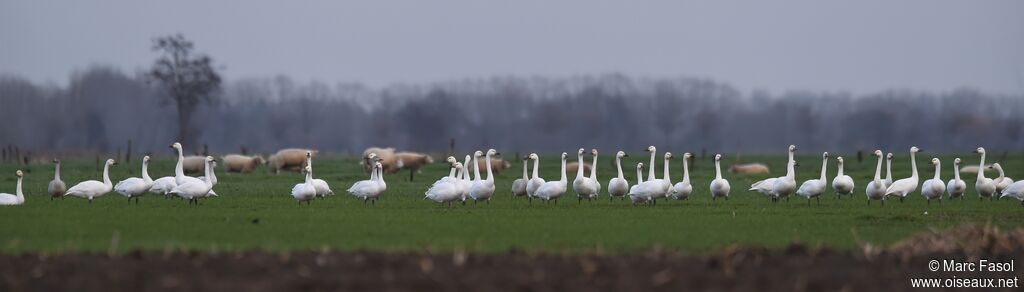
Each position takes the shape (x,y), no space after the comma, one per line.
(193,190)
(666,181)
(876,187)
(719,186)
(904,187)
(91,189)
(163,186)
(18,197)
(934,188)
(213,174)
(464,182)
(553,190)
(446,191)
(888,170)
(634,194)
(766,186)
(321,186)
(1014,190)
(682,189)
(483,189)
(593,174)
(134,187)
(652,189)
(536,181)
(585,187)
(368,190)
(985,186)
(842,184)
(179,172)
(519,185)
(1002,181)
(618,186)
(813,188)
(449,178)
(56,188)
(956,187)
(305,191)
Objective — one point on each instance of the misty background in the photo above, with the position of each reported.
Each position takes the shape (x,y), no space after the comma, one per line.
(524,76)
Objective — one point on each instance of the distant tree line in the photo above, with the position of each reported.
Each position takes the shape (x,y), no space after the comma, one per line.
(101,108)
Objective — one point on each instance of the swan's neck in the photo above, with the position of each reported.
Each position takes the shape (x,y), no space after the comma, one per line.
(579,165)
(451,173)
(639,176)
(179,171)
(824,166)
(686,171)
(208,179)
(789,170)
(309,177)
(373,173)
(487,161)
(17,190)
(981,167)
(145,172)
(1000,170)
(465,169)
(525,163)
(878,171)
(913,165)
(536,164)
(840,169)
(593,168)
(718,169)
(618,166)
(106,174)
(380,174)
(563,180)
(56,173)
(309,162)
(938,167)
(476,168)
(956,171)
(650,169)
(665,172)
(888,169)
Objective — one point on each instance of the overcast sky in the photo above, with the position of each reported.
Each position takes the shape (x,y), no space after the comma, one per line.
(859,46)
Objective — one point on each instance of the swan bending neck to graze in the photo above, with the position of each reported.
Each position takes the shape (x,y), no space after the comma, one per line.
(904,187)
(719,186)
(888,169)
(842,184)
(956,186)
(553,190)
(876,187)
(18,197)
(985,186)
(56,188)
(91,189)
(618,186)
(650,168)
(483,190)
(134,187)
(933,188)
(683,189)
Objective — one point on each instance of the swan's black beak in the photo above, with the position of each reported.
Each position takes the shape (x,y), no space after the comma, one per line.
(625,155)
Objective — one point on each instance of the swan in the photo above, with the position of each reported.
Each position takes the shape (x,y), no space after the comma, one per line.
(305,191)
(483,189)
(93,189)
(766,186)
(584,187)
(593,174)
(134,187)
(956,187)
(321,186)
(449,178)
(985,186)
(842,184)
(179,172)
(618,186)
(465,182)
(446,191)
(904,187)
(18,197)
(552,190)
(56,188)
(193,190)
(368,189)
(876,188)
(813,188)
(213,174)
(933,188)
(1002,181)
(719,186)
(682,189)
(536,181)
(634,194)
(652,189)
(519,185)
(163,186)
(1014,190)
(666,182)
(888,170)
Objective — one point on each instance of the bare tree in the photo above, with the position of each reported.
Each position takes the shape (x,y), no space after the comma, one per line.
(187,78)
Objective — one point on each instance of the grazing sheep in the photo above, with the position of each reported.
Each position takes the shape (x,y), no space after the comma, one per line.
(194,164)
(749,168)
(412,161)
(386,158)
(497,165)
(572,167)
(974,169)
(291,159)
(241,163)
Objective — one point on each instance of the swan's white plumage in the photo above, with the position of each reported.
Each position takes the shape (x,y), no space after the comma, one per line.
(719,186)
(18,197)
(876,188)
(956,186)
(91,189)
(902,188)
(553,190)
(842,184)
(618,186)
(814,188)
(682,189)
(134,186)
(934,188)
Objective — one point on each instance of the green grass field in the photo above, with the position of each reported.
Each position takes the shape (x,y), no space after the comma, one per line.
(255,211)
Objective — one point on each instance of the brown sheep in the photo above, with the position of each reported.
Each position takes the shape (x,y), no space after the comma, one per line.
(241,163)
(571,168)
(194,164)
(291,159)
(412,161)
(387,159)
(749,168)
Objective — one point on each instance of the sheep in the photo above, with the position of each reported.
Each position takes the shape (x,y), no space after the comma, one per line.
(497,165)
(291,159)
(412,161)
(241,163)
(749,168)
(386,156)
(974,169)
(194,164)
(573,166)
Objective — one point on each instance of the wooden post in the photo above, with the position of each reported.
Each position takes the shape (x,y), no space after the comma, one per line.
(26,158)
(17,154)
(118,157)
(97,162)
(860,156)
(128,156)
(244,150)
(451,146)
(206,150)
